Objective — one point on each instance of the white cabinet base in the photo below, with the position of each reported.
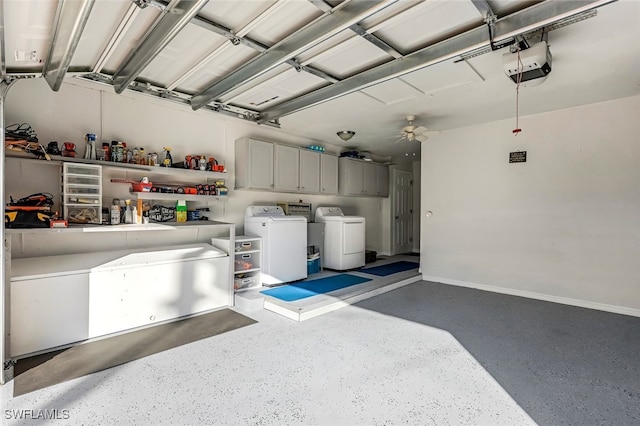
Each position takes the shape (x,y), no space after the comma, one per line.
(59,300)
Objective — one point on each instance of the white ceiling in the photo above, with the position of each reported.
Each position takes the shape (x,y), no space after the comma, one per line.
(593,60)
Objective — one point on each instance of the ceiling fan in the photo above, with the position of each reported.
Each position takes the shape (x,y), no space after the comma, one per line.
(413,133)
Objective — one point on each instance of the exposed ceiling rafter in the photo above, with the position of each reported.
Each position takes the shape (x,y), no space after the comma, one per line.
(526,20)
(358,29)
(175,97)
(321,29)
(178,14)
(71,18)
(246,41)
(227,43)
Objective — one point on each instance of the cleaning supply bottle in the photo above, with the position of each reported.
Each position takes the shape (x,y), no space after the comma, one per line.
(168,161)
(181,211)
(128,214)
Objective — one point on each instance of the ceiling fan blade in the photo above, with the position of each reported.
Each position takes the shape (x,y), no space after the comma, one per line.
(422,138)
(402,138)
(419,130)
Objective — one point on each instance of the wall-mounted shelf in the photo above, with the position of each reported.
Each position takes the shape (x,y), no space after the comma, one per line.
(162,196)
(171,171)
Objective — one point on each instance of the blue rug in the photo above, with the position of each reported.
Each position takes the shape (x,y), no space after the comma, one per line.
(391,268)
(305,289)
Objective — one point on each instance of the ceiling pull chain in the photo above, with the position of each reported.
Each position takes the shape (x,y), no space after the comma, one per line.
(518,80)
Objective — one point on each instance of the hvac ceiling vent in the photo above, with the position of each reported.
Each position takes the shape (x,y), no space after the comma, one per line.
(528,64)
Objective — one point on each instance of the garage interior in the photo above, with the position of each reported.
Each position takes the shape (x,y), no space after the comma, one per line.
(527,309)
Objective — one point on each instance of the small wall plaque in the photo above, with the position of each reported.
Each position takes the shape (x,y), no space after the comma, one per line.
(518,157)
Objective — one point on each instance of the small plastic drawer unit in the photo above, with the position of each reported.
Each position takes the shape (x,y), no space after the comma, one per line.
(82,193)
(247,257)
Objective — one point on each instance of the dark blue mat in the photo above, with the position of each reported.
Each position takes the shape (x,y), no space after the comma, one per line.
(391,268)
(305,289)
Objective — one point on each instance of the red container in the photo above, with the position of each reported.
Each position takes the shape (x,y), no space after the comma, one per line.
(141,187)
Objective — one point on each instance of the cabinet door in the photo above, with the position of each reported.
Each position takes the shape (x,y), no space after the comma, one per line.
(382,180)
(309,171)
(370,179)
(260,167)
(328,174)
(287,168)
(351,177)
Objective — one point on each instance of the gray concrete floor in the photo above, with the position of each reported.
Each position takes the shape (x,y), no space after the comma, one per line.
(422,354)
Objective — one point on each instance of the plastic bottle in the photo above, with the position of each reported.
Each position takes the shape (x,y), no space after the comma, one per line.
(115,212)
(181,211)
(134,213)
(128,214)
(168,161)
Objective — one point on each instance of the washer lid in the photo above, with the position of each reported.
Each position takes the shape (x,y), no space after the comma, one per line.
(328,211)
(263,211)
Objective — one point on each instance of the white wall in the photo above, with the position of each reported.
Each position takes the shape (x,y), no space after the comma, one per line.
(564,226)
(84,107)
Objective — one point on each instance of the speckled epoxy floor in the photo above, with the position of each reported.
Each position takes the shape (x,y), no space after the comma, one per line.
(352,366)
(424,354)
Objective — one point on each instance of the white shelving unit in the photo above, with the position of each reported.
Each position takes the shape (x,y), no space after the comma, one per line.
(247,253)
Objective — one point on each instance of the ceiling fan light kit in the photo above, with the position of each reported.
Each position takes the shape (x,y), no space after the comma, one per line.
(345,135)
(413,133)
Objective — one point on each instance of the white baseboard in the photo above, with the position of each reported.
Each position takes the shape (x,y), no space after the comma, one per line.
(539,296)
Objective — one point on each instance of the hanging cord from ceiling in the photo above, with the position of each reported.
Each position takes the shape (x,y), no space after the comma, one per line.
(518,81)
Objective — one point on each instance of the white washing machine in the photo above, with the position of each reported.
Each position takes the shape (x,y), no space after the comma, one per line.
(284,243)
(344,238)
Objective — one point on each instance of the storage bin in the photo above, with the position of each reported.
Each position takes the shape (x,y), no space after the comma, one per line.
(313,266)
(83,180)
(85,169)
(244,283)
(244,262)
(83,214)
(244,246)
(74,189)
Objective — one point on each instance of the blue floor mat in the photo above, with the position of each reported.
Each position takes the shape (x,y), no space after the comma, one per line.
(391,268)
(305,289)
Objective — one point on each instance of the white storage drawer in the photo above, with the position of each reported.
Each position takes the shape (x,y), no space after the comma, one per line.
(83,169)
(83,213)
(82,189)
(246,283)
(83,180)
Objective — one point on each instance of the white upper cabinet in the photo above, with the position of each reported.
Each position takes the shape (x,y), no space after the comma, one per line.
(270,166)
(328,174)
(382,180)
(254,164)
(370,179)
(310,171)
(364,178)
(287,168)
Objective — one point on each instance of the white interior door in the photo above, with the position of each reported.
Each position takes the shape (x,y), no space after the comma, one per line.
(401,211)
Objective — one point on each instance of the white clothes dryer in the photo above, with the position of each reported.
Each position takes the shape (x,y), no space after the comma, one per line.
(344,239)
(284,243)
